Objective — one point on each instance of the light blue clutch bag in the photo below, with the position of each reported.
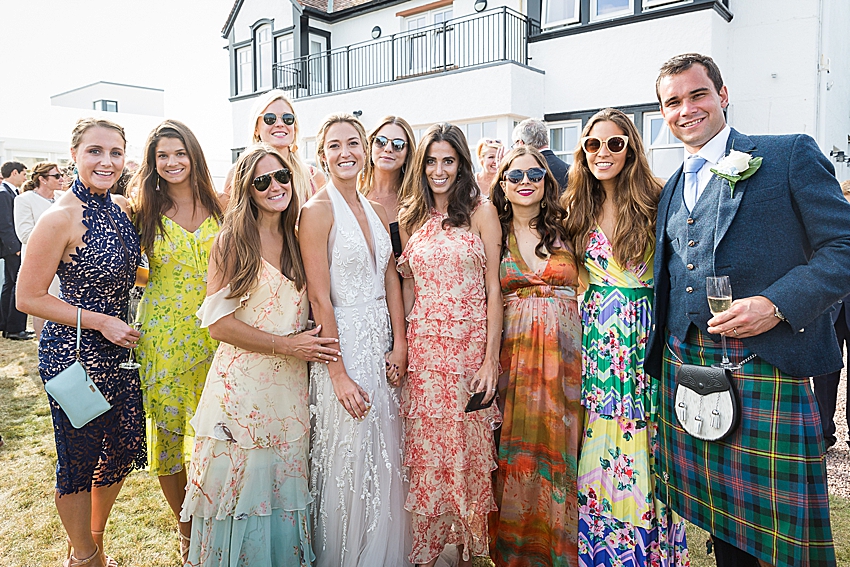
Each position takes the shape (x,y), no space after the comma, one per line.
(75,393)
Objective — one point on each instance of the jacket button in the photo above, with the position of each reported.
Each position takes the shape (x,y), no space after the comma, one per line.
(691,243)
(689,289)
(690,266)
(690,221)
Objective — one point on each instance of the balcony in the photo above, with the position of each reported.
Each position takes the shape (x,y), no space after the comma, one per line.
(470,41)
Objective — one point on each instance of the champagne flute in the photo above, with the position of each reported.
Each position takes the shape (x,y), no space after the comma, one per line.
(136,293)
(719,292)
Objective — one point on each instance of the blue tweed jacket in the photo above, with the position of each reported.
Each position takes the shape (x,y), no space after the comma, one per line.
(785,235)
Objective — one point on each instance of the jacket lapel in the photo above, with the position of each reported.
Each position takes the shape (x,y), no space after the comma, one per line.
(728,204)
(661,220)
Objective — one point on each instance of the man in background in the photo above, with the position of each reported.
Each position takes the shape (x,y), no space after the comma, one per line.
(534,133)
(13,323)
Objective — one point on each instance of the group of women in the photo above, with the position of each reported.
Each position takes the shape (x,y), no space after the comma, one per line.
(408,290)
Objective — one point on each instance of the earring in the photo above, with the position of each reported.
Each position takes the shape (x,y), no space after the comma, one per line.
(543,205)
(157,183)
(506,205)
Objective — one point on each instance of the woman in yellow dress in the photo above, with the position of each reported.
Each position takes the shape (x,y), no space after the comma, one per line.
(177,215)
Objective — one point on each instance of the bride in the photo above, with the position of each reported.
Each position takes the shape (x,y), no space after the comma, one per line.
(356,480)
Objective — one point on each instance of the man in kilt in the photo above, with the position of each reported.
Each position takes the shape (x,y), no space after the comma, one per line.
(780,229)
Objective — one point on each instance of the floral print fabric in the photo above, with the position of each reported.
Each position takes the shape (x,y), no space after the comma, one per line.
(621,521)
(248,493)
(175,353)
(537,521)
(449,453)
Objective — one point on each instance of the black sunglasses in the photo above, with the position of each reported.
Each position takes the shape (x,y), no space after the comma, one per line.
(262,182)
(53,175)
(398,143)
(534,174)
(287,118)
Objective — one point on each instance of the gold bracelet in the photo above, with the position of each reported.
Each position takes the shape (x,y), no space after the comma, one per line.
(272,344)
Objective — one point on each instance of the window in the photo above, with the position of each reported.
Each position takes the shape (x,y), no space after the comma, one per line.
(244,77)
(604,9)
(560,12)
(285,49)
(663,149)
(105,105)
(563,139)
(287,71)
(264,57)
(653,3)
(474,131)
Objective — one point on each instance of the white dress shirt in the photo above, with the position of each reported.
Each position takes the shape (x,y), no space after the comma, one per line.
(713,152)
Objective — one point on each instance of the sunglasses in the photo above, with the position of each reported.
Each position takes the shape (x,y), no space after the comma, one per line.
(53,175)
(398,143)
(287,118)
(616,144)
(262,182)
(534,174)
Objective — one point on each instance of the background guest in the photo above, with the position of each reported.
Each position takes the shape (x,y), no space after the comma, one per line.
(177,216)
(13,323)
(612,201)
(535,133)
(537,520)
(392,145)
(37,195)
(487,151)
(247,493)
(450,262)
(357,478)
(88,240)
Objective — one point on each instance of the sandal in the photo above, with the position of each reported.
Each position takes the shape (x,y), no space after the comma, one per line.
(185,542)
(74,562)
(107,561)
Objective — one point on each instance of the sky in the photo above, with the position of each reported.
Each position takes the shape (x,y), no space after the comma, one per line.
(52,46)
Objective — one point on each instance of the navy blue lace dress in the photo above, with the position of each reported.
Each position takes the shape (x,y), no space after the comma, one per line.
(98,278)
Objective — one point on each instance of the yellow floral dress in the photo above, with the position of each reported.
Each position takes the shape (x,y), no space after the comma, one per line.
(174,351)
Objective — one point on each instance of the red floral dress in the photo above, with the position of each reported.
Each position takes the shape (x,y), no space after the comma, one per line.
(449,454)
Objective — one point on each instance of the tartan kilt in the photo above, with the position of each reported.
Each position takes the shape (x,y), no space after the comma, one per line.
(762,489)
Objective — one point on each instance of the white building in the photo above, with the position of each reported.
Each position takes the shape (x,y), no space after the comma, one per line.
(46,136)
(486,64)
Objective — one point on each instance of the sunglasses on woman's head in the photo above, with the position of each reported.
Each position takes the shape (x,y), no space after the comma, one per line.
(398,143)
(263,182)
(616,144)
(287,118)
(535,174)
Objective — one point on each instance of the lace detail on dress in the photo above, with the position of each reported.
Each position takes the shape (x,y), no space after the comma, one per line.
(98,278)
(357,481)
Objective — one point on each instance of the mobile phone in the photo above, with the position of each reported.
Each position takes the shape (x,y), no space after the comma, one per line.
(476,402)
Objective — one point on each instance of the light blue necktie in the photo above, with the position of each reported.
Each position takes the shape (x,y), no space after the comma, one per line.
(691,168)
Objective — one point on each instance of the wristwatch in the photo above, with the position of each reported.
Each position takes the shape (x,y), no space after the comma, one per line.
(778,314)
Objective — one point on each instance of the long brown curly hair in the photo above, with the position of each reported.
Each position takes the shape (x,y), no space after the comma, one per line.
(636,196)
(150,192)
(463,195)
(549,222)
(237,248)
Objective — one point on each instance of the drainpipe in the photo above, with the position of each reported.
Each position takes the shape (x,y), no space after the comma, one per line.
(823,68)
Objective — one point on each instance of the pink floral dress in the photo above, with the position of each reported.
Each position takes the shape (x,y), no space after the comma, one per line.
(449,454)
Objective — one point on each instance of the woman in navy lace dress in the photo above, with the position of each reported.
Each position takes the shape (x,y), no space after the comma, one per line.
(87,239)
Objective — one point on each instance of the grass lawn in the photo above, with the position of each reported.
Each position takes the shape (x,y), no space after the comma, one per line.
(141,530)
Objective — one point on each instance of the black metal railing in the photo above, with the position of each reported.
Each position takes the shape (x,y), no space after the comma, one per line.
(496,35)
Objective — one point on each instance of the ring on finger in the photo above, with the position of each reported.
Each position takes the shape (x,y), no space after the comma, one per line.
(735,330)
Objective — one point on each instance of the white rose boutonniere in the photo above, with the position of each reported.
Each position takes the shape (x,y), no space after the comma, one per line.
(736,167)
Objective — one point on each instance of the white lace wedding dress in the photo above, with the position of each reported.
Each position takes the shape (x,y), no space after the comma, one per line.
(356,479)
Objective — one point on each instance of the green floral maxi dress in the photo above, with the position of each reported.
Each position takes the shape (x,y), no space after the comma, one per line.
(174,351)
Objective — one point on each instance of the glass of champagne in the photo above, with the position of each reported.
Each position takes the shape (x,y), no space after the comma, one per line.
(719,292)
(136,293)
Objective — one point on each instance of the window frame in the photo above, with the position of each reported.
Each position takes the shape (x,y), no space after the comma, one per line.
(650,4)
(595,17)
(258,61)
(565,155)
(650,148)
(241,88)
(103,105)
(544,10)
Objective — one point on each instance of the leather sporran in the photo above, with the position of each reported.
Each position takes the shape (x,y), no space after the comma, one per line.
(75,392)
(706,402)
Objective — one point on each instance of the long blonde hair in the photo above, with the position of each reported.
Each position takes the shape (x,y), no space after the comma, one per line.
(300,170)
(237,248)
(636,196)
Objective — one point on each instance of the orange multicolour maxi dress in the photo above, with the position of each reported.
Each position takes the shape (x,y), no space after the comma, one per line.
(537,521)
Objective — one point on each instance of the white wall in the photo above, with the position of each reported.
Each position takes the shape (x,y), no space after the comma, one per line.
(131,99)
(253,10)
